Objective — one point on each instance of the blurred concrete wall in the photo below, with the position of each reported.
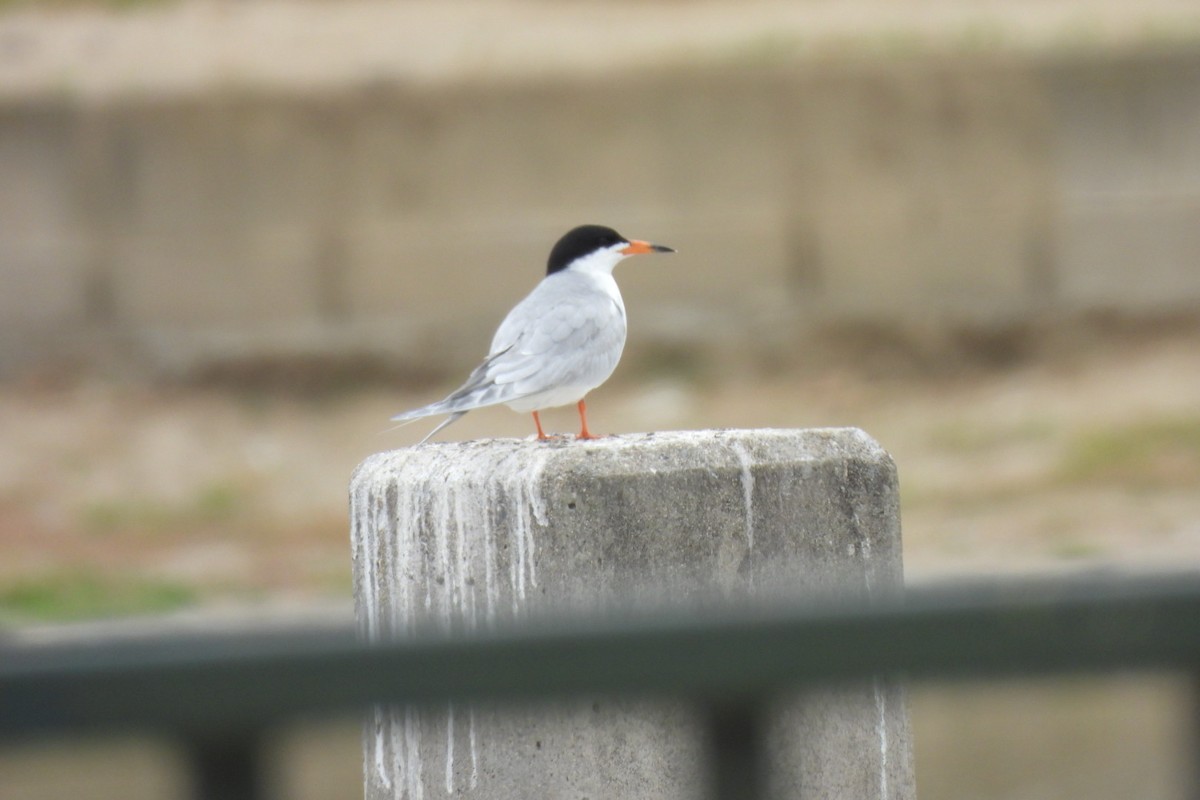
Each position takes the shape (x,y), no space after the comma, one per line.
(403,222)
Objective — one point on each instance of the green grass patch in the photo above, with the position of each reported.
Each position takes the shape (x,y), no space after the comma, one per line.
(1071,549)
(767,49)
(214,502)
(62,597)
(1158,453)
(217,502)
(977,437)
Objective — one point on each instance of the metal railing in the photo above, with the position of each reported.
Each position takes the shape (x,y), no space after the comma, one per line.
(221,694)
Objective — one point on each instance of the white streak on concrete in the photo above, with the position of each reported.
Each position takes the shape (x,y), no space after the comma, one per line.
(450,748)
(474,750)
(492,592)
(443,582)
(391,739)
(882,732)
(531,510)
(381,771)
(421,546)
(362,521)
(412,756)
(433,531)
(866,562)
(747,465)
(516,563)
(465,584)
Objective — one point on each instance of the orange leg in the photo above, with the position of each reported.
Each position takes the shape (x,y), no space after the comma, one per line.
(584,433)
(538,422)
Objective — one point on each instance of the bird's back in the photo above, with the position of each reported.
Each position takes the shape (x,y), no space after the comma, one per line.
(561,341)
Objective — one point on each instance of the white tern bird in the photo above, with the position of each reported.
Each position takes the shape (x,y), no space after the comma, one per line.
(563,340)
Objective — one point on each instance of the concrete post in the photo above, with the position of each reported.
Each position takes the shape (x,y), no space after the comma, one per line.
(467,535)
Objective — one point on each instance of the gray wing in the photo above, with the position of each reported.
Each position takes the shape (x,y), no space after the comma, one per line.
(562,336)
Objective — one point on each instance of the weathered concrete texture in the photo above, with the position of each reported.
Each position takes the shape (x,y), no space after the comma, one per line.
(457,536)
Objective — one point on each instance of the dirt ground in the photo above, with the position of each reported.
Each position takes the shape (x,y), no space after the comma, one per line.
(120,497)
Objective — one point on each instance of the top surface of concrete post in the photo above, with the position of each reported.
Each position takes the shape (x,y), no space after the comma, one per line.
(460,536)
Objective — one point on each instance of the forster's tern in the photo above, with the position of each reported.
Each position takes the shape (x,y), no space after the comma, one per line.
(563,340)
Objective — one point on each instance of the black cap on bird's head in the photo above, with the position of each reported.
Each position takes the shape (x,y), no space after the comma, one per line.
(587,239)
